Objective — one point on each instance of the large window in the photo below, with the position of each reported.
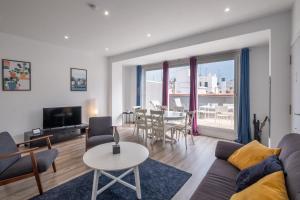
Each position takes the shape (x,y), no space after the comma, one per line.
(179,88)
(153,87)
(216,105)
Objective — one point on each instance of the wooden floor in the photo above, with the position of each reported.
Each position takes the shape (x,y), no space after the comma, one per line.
(196,160)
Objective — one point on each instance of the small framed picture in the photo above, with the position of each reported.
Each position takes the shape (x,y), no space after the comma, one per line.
(36,131)
(78,80)
(16,75)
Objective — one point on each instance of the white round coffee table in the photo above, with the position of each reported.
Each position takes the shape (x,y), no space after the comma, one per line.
(101,159)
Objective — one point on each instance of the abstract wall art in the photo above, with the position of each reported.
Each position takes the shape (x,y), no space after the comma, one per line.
(16,75)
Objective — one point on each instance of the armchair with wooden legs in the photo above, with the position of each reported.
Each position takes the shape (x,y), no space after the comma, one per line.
(14,165)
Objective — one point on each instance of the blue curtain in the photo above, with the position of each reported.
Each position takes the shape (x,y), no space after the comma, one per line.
(244,129)
(138,84)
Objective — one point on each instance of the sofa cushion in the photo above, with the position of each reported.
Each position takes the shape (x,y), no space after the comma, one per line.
(289,144)
(270,187)
(24,165)
(292,170)
(97,140)
(225,149)
(251,154)
(218,184)
(252,174)
(7,145)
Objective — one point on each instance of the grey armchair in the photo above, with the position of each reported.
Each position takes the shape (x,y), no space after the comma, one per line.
(100,131)
(14,166)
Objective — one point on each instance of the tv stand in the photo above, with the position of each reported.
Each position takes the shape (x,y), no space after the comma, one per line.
(59,134)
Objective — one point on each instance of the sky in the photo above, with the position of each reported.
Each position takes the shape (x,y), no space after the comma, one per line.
(224,69)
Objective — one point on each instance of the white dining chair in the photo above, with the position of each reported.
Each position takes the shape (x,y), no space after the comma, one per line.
(142,123)
(187,127)
(156,105)
(158,126)
(134,109)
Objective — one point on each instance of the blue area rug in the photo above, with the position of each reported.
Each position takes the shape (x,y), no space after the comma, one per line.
(158,181)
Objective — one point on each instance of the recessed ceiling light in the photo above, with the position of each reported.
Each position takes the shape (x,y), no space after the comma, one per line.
(227,10)
(67,37)
(106,12)
(149,35)
(106,49)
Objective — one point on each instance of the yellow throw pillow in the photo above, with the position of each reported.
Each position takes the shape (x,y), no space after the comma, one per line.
(271,187)
(251,154)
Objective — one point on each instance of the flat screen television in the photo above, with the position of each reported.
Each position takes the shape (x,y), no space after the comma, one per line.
(62,116)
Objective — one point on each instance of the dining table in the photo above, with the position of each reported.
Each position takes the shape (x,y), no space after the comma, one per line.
(171,115)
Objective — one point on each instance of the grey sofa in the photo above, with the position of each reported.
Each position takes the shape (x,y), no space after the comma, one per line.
(100,131)
(219,182)
(14,165)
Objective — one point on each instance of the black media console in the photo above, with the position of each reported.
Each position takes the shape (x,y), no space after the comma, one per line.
(59,134)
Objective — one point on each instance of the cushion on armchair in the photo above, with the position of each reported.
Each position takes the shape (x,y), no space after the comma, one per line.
(24,165)
(7,145)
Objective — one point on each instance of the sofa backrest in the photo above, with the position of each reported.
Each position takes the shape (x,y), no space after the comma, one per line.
(7,145)
(290,158)
(100,126)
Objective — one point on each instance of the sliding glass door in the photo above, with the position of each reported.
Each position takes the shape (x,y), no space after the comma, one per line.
(153,88)
(179,88)
(216,98)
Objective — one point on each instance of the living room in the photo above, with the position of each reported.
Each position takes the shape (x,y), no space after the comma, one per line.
(174,101)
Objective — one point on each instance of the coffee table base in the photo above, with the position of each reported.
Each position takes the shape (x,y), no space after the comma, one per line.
(97,174)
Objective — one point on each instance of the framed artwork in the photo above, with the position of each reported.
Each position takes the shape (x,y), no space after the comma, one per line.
(16,75)
(78,79)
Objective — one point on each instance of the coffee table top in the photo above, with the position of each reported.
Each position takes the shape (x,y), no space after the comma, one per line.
(102,158)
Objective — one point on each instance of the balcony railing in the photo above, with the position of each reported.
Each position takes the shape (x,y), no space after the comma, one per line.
(214,110)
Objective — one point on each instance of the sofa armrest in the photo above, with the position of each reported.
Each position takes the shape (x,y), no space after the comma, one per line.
(225,149)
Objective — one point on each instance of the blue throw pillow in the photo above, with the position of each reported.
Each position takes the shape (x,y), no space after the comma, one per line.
(252,174)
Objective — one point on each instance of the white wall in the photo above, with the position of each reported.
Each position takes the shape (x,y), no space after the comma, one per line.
(296,20)
(280,39)
(295,80)
(117,93)
(259,87)
(129,87)
(22,111)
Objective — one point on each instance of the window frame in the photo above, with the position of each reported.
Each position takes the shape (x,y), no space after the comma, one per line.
(202,59)
(234,55)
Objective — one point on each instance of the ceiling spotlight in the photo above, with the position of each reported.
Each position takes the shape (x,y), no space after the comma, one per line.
(67,37)
(106,12)
(148,34)
(106,49)
(227,10)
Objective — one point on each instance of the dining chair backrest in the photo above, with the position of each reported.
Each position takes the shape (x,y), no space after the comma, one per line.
(157,119)
(140,117)
(134,108)
(189,119)
(155,104)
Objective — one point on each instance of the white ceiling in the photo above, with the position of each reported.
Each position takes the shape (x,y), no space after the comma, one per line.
(234,43)
(129,21)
